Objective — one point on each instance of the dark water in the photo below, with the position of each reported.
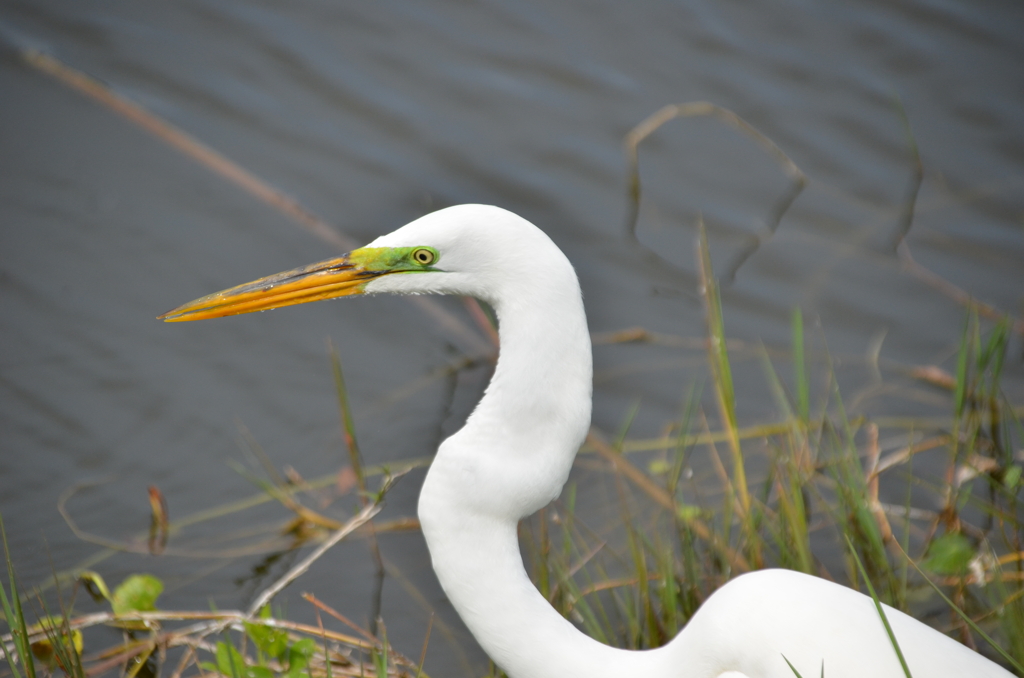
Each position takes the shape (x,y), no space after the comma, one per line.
(373,114)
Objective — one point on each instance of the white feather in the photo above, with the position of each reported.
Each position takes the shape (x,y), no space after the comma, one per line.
(514,454)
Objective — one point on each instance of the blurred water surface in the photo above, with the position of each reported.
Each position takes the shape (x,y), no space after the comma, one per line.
(371,114)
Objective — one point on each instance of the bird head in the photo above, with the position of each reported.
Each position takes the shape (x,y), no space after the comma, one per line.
(476,250)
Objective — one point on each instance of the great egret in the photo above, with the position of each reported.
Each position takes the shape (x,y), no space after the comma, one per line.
(514,454)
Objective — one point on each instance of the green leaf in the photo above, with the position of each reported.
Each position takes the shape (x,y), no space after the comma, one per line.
(1012,477)
(230,661)
(950,554)
(95,585)
(688,512)
(137,593)
(299,655)
(659,467)
(272,641)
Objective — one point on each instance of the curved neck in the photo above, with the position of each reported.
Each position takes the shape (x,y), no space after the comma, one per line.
(510,459)
(481,570)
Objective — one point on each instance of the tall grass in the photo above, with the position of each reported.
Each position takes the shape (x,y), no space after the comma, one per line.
(803,493)
(795,507)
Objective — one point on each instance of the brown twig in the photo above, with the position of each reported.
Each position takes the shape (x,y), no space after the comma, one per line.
(902,455)
(874,505)
(324,607)
(207,623)
(368,512)
(623,467)
(482,320)
(142,547)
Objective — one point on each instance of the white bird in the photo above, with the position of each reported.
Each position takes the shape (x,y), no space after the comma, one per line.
(513,456)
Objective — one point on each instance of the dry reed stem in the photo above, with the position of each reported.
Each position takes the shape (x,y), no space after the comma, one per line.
(218,622)
(207,622)
(609,584)
(142,547)
(872,477)
(367,513)
(624,468)
(668,442)
(280,491)
(191,637)
(903,455)
(259,548)
(723,475)
(482,321)
(187,145)
(219,164)
(231,171)
(188,657)
(324,607)
(643,335)
(426,641)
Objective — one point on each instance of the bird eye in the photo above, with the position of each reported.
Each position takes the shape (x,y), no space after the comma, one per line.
(423,256)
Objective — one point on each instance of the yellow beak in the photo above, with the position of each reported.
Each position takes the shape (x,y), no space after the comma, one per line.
(339,277)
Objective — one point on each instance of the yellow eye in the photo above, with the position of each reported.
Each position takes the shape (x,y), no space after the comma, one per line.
(424,256)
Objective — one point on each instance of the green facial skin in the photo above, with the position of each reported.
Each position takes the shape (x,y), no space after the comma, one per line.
(381,260)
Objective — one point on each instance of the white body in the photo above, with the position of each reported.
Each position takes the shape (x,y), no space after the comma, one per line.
(514,455)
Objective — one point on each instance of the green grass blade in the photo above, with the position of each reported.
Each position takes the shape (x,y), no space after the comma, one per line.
(721,372)
(15,615)
(803,398)
(9,616)
(348,424)
(878,607)
(793,668)
(620,438)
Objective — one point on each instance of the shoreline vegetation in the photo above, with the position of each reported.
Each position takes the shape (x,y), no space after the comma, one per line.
(711,498)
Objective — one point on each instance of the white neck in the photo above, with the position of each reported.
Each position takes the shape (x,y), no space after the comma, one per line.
(482,572)
(493,472)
